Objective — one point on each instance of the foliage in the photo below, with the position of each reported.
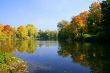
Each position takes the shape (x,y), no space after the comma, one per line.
(22,32)
(47,35)
(95,19)
(1,27)
(66,32)
(91,24)
(11,64)
(105,5)
(62,24)
(32,30)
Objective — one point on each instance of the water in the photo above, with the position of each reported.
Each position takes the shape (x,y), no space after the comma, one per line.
(60,57)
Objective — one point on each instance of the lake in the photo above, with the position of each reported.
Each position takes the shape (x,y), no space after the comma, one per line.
(54,57)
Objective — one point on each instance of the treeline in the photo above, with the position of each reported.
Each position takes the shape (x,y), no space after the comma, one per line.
(22,32)
(47,35)
(93,24)
(28,31)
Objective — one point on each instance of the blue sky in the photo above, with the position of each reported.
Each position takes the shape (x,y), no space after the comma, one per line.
(45,14)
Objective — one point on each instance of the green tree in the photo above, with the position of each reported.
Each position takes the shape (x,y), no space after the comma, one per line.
(95,18)
(63,30)
(62,24)
(47,35)
(32,31)
(105,5)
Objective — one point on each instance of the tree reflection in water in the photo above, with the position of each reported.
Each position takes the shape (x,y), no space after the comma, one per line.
(95,56)
(28,46)
(9,63)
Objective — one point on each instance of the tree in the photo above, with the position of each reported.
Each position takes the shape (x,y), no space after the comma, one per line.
(32,31)
(63,30)
(95,18)
(105,5)
(47,35)
(14,31)
(22,32)
(7,28)
(2,35)
(95,6)
(62,24)
(1,27)
(7,31)
(79,24)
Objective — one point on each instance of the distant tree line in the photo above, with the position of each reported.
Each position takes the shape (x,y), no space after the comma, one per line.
(47,35)
(28,31)
(22,32)
(93,24)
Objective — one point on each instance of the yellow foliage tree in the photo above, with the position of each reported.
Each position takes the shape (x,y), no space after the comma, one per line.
(22,32)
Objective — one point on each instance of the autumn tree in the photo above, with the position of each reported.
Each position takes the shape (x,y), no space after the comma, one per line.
(1,27)
(95,18)
(79,23)
(32,31)
(14,31)
(22,32)
(2,35)
(7,31)
(91,24)
(7,28)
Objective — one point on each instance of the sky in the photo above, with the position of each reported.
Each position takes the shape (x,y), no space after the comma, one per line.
(44,14)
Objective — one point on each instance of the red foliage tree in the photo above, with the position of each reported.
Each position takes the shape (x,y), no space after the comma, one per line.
(7,28)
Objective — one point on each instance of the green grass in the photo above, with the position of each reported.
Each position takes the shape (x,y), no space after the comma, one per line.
(88,36)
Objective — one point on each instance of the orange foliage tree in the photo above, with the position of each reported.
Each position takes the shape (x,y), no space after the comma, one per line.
(1,27)
(7,28)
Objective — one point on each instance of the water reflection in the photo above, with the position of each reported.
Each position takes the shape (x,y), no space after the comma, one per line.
(51,57)
(47,44)
(9,63)
(23,46)
(95,56)
(28,46)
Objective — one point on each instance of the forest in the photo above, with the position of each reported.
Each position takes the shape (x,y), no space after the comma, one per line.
(28,31)
(91,25)
(22,32)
